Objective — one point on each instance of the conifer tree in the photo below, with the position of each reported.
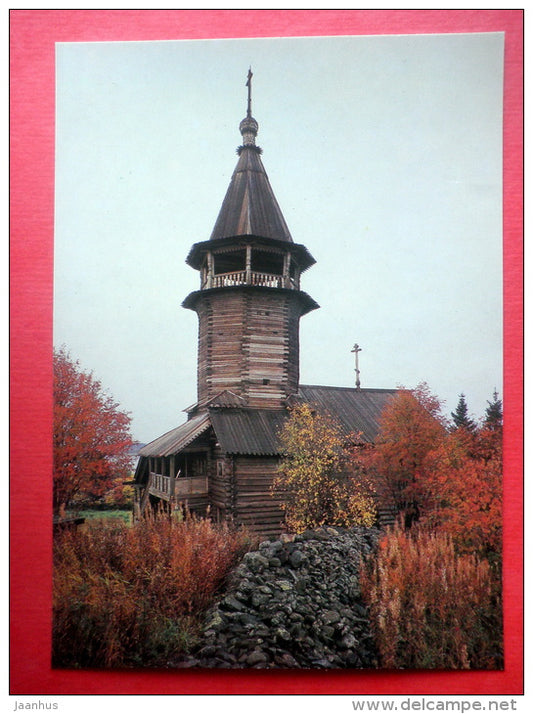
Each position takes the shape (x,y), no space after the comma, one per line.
(460,416)
(494,413)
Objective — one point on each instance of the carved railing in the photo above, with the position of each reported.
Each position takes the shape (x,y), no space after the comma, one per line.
(265,280)
(228,280)
(239,277)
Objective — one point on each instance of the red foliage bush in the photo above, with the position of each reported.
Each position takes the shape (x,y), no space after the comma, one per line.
(429,607)
(464,483)
(133,595)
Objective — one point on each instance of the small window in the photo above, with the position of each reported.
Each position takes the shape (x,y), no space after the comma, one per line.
(266,381)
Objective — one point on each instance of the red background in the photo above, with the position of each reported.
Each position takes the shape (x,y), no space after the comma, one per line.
(33,34)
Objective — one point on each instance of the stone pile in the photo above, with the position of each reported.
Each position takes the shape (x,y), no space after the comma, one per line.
(294,603)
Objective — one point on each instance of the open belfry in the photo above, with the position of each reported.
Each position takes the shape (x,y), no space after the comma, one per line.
(250,303)
(224,458)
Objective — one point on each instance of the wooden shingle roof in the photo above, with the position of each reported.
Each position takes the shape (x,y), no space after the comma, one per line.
(250,207)
(251,432)
(255,432)
(177,439)
(356,410)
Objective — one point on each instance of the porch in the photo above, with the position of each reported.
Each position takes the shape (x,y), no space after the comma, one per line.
(176,488)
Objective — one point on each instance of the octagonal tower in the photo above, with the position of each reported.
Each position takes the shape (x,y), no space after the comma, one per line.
(249,303)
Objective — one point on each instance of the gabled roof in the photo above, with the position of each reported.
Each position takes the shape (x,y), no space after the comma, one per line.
(251,432)
(356,410)
(255,432)
(226,398)
(250,207)
(177,439)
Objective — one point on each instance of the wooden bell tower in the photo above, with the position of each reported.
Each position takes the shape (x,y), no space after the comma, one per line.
(249,303)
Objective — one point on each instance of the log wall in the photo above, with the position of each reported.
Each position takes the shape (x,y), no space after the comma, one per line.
(254,505)
(221,485)
(248,343)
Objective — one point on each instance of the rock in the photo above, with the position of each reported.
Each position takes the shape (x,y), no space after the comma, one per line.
(259,600)
(297,558)
(323,664)
(353,660)
(327,632)
(187,663)
(215,621)
(330,616)
(231,603)
(301,585)
(287,660)
(348,642)
(297,631)
(293,603)
(308,535)
(265,589)
(256,657)
(282,634)
(256,562)
(286,538)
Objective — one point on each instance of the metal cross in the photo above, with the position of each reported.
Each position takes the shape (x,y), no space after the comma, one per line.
(249,85)
(357,349)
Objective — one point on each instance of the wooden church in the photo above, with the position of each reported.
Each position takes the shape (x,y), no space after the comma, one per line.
(226,455)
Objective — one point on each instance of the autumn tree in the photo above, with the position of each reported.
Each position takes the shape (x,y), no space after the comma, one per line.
(91,439)
(313,480)
(464,483)
(411,425)
(460,417)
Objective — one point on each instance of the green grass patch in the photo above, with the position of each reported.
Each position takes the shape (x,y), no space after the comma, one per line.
(89,514)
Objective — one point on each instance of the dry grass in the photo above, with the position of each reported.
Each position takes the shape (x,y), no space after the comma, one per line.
(127,596)
(432,608)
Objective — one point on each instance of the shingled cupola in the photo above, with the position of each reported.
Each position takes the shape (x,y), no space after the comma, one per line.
(249,303)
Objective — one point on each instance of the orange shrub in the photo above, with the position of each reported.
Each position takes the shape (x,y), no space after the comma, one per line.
(134,595)
(429,607)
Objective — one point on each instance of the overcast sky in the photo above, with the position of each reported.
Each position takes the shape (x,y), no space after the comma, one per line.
(385,156)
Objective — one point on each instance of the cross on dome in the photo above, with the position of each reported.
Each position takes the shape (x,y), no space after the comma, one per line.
(248,126)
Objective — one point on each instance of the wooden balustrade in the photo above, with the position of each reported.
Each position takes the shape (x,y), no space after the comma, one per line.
(239,277)
(266,280)
(228,280)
